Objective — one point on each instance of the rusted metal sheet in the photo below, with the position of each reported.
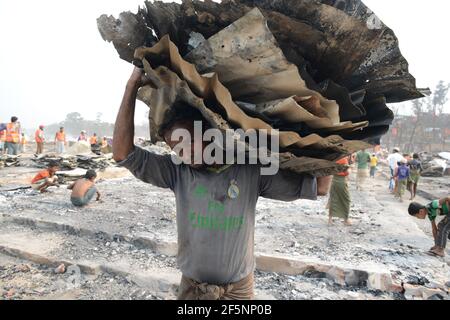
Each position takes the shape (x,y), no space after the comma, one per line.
(311,69)
(167,88)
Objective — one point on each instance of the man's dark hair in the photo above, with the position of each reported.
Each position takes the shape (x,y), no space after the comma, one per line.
(416,156)
(52,164)
(14,119)
(414,208)
(182,112)
(90,174)
(61,128)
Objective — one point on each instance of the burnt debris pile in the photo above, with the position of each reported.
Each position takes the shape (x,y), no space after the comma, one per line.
(320,72)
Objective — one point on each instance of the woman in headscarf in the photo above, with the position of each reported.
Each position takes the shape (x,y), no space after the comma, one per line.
(339,201)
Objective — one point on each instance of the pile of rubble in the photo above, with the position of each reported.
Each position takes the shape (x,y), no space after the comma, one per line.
(159,147)
(435,165)
(9,161)
(69,162)
(320,72)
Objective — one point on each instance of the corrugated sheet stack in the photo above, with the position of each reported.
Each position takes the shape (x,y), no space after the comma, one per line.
(321,72)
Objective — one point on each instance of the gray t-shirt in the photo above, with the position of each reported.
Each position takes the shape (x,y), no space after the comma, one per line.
(216,211)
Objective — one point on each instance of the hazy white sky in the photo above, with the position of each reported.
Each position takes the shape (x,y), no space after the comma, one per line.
(54,61)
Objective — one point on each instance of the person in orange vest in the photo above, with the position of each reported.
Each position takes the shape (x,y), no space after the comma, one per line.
(39,138)
(93,140)
(12,139)
(60,141)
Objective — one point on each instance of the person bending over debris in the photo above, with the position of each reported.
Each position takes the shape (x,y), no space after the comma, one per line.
(46,178)
(441,232)
(215,206)
(83,190)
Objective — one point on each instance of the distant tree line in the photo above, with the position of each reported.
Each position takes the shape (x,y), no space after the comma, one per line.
(428,129)
(75,123)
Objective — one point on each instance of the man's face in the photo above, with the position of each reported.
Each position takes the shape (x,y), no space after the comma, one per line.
(187,158)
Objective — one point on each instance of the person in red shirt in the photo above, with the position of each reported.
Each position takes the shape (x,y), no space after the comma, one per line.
(339,201)
(46,178)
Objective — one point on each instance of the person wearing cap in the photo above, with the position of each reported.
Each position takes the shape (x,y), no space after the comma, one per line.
(402,176)
(39,138)
(441,231)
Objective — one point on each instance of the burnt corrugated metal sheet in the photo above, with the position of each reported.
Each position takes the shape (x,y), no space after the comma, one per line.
(312,69)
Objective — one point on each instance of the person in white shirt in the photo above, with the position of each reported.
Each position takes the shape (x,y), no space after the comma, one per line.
(393,159)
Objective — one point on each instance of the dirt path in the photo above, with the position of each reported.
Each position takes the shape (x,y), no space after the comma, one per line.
(133,234)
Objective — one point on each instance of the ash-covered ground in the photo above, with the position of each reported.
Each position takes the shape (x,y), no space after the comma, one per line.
(131,234)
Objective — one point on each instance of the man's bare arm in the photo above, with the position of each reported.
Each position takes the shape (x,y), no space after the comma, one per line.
(123,138)
(444,200)
(323,185)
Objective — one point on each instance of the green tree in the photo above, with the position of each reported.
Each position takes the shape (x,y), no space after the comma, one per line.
(74,117)
(440,97)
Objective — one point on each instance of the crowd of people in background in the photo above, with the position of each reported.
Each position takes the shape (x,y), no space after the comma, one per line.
(405,172)
(13,141)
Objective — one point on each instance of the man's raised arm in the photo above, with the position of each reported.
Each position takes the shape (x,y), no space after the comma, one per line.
(123,138)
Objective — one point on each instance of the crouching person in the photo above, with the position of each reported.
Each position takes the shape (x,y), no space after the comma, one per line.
(46,178)
(442,230)
(83,190)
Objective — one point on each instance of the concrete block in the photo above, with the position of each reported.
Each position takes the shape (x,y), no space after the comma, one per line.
(379,281)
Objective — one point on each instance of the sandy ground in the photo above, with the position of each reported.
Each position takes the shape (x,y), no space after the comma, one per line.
(383,238)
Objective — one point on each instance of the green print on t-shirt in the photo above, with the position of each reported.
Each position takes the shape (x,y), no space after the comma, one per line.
(219,222)
(200,191)
(214,218)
